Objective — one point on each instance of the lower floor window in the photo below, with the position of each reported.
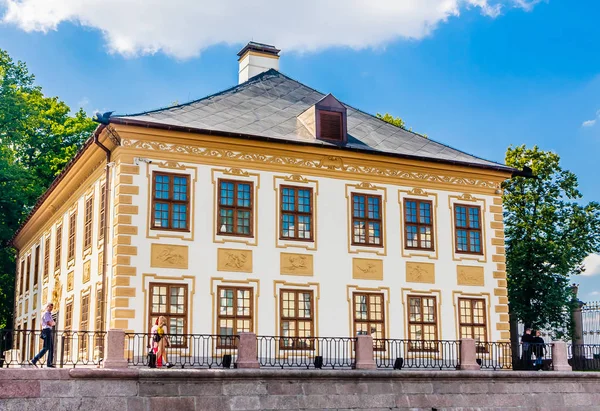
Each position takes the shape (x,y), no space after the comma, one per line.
(297,319)
(170,301)
(369,316)
(235,313)
(422,323)
(472,320)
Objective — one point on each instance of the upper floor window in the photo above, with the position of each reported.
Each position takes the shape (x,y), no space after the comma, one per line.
(297,319)
(170,301)
(170,202)
(27,273)
(422,323)
(46,258)
(84,320)
(72,232)
(296,213)
(472,320)
(235,208)
(58,247)
(68,340)
(87,225)
(367,228)
(22,277)
(235,313)
(102,211)
(467,229)
(36,266)
(369,315)
(418,224)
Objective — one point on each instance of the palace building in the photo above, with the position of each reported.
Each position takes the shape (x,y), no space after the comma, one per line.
(272,208)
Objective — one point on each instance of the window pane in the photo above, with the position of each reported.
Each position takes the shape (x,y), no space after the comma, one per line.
(360,307)
(177,300)
(161,187)
(475,241)
(304,201)
(180,188)
(359,232)
(461,240)
(474,217)
(226,302)
(226,221)
(411,211)
(243,222)
(289,304)
(411,236)
(226,193)
(161,215)
(461,216)
(243,195)
(288,202)
(288,225)
(374,208)
(374,233)
(425,237)
(425,213)
(358,206)
(179,216)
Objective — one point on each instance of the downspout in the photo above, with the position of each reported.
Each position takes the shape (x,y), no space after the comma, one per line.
(105,228)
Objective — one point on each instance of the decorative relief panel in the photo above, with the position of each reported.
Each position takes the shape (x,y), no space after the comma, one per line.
(169,256)
(469,275)
(87,269)
(296,264)
(44,297)
(70,281)
(229,259)
(367,269)
(420,272)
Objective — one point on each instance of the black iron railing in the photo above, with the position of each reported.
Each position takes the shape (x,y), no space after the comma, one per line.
(584,357)
(315,352)
(494,355)
(183,350)
(398,354)
(69,348)
(533,356)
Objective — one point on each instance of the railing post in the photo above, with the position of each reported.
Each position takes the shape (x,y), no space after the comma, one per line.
(115,349)
(468,355)
(247,356)
(560,359)
(364,353)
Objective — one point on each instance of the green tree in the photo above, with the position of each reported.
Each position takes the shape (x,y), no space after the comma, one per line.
(397,121)
(38,136)
(549,231)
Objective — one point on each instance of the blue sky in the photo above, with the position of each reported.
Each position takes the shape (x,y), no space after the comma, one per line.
(478,75)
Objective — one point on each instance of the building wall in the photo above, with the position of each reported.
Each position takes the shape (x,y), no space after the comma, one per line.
(140,255)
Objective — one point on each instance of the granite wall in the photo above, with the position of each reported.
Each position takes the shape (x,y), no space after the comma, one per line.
(214,390)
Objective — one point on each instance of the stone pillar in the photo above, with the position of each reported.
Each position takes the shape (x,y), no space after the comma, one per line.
(560,360)
(578,324)
(364,353)
(247,351)
(468,357)
(115,349)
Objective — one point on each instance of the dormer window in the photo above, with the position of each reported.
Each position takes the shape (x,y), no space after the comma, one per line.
(331,125)
(326,120)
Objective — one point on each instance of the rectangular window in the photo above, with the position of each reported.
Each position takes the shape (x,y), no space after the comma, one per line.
(170,202)
(331,125)
(98,323)
(297,320)
(36,266)
(32,348)
(235,208)
(68,327)
(472,319)
(72,231)
(58,247)
(27,273)
(367,220)
(87,225)
(369,316)
(170,301)
(296,213)
(418,224)
(84,322)
(46,260)
(22,277)
(422,323)
(235,313)
(467,229)
(102,212)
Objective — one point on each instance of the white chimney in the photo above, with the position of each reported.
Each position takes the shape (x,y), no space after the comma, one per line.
(256,58)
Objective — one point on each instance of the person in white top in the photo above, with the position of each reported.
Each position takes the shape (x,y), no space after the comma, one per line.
(47,324)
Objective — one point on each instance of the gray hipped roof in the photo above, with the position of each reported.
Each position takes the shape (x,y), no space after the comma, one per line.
(268,105)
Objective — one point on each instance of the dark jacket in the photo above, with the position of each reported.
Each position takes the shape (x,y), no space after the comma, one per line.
(527,340)
(539,347)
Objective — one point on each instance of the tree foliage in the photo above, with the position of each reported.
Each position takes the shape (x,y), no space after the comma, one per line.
(38,136)
(396,121)
(549,231)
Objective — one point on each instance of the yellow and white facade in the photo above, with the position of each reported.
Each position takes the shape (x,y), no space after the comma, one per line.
(330,278)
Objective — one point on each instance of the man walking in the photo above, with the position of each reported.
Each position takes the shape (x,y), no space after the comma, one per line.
(47,324)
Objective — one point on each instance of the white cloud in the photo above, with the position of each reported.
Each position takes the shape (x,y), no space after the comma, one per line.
(183,28)
(592,265)
(590,123)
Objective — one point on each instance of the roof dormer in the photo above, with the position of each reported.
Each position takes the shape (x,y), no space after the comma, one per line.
(326,120)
